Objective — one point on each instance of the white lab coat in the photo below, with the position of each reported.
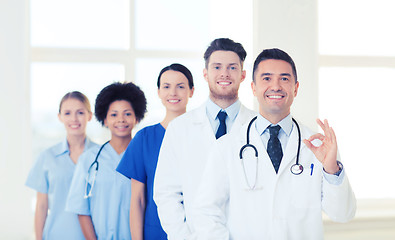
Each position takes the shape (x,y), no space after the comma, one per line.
(181,162)
(284,207)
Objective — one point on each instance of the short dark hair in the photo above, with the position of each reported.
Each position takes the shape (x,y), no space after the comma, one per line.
(178,68)
(117,92)
(276,54)
(225,44)
(78,96)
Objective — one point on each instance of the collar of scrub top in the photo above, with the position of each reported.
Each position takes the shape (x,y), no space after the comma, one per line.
(64,147)
(286,125)
(212,110)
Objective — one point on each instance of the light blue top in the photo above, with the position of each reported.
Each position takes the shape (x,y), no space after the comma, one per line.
(212,110)
(286,125)
(110,201)
(139,163)
(52,174)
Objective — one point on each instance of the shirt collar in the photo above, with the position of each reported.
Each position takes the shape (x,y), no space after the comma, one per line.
(286,124)
(64,146)
(213,109)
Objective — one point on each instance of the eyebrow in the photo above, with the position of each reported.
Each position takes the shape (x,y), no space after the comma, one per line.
(215,63)
(281,74)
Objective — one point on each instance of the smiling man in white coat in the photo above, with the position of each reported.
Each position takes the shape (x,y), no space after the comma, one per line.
(188,138)
(277,185)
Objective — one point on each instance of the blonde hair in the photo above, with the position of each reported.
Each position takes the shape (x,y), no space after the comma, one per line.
(76,95)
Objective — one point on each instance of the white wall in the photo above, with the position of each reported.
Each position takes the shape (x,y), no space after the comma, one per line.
(15,150)
(292,25)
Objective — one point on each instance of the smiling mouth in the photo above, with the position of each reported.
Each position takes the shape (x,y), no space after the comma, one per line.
(275,96)
(174,100)
(74,126)
(122,127)
(224,83)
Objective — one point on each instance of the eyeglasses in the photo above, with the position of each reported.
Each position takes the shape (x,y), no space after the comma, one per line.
(89,187)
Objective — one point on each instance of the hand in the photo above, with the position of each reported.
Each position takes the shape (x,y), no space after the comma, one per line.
(326,153)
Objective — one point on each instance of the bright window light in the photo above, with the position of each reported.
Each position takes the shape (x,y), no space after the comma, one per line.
(362,114)
(80,24)
(355,27)
(172,25)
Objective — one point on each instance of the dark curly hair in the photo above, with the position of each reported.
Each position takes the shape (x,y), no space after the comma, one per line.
(117,92)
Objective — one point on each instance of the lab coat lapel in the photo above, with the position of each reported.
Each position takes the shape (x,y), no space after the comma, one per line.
(201,122)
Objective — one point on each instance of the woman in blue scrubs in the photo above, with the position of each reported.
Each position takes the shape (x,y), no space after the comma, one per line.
(99,194)
(52,173)
(175,87)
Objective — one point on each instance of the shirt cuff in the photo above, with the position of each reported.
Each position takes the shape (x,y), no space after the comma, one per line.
(336,178)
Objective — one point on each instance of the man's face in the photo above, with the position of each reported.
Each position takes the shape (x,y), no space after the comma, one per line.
(275,89)
(224,73)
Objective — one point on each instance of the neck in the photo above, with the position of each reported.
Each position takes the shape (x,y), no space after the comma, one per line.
(76,141)
(170,116)
(274,118)
(223,103)
(120,143)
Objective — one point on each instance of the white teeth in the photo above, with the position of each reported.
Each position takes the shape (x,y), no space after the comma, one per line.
(224,83)
(74,126)
(173,101)
(276,97)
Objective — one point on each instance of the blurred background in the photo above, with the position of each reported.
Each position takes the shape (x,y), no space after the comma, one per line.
(343,49)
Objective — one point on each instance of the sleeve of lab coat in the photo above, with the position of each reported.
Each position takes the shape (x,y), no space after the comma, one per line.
(212,198)
(168,189)
(338,201)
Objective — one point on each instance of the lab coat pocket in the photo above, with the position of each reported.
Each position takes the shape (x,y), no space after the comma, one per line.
(306,190)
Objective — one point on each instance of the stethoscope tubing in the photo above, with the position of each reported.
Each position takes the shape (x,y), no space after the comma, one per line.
(295,168)
(97,157)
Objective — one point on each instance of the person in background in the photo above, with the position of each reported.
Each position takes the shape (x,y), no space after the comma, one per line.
(189,137)
(53,171)
(175,87)
(99,195)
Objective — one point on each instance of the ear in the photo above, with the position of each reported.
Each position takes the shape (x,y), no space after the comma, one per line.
(243,75)
(90,116)
(205,73)
(253,88)
(296,89)
(105,123)
(60,117)
(191,92)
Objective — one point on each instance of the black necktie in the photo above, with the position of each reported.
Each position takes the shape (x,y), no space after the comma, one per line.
(274,147)
(222,126)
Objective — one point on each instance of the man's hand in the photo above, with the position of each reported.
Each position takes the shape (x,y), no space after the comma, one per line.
(326,153)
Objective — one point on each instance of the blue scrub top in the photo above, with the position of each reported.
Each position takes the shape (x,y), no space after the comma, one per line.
(52,174)
(110,201)
(139,163)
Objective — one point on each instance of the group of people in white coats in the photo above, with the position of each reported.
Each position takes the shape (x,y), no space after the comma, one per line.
(220,171)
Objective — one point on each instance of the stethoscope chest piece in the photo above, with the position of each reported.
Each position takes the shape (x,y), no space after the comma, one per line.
(296,169)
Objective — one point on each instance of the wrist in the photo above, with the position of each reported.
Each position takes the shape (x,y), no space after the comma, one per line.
(334,170)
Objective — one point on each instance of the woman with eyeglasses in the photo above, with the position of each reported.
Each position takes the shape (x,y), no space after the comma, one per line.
(99,195)
(175,87)
(53,171)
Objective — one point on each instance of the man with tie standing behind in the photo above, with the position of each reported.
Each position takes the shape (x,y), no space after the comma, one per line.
(259,190)
(189,137)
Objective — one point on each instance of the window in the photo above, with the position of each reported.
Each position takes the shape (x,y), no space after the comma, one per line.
(356,77)
(86,45)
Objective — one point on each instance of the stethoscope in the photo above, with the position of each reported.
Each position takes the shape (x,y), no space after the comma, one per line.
(89,194)
(296,168)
